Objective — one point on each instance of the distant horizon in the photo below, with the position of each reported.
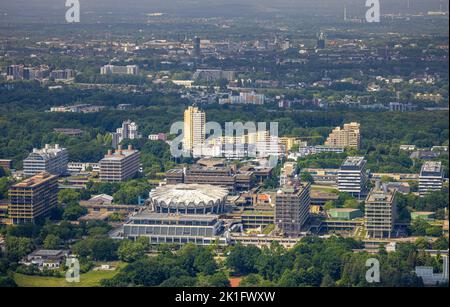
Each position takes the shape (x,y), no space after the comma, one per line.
(208,8)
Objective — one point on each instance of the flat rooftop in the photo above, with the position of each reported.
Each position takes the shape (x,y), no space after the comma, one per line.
(432,167)
(119,155)
(34,181)
(149,215)
(353,162)
(380,196)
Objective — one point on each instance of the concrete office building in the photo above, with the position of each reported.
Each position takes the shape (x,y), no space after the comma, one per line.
(120,165)
(119,70)
(50,159)
(349,136)
(431,177)
(292,208)
(194,128)
(380,212)
(162,228)
(352,177)
(32,198)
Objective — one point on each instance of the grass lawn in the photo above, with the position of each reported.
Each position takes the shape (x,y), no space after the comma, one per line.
(89,279)
(324,189)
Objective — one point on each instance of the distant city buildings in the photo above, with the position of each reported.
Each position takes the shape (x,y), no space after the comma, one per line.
(213,75)
(119,70)
(32,198)
(431,177)
(119,165)
(352,176)
(128,131)
(380,211)
(349,136)
(50,159)
(63,74)
(292,209)
(321,41)
(20,72)
(158,137)
(244,98)
(78,108)
(401,107)
(197,51)
(69,131)
(305,151)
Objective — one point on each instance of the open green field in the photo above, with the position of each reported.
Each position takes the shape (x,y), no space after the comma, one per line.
(90,279)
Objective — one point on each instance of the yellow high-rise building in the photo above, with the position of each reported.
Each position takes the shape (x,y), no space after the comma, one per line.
(194,128)
(349,136)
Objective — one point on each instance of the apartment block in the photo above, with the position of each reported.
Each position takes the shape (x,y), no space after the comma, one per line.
(32,198)
(349,136)
(128,131)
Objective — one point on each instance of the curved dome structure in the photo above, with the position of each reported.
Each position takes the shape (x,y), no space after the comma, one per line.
(189,199)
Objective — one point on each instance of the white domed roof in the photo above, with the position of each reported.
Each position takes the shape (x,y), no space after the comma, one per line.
(196,194)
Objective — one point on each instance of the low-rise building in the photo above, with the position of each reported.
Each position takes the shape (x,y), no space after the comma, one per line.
(162,228)
(345,213)
(46,258)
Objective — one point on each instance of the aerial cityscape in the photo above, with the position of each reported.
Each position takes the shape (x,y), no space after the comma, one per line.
(224,144)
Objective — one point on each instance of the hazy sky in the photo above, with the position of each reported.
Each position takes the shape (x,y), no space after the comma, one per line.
(206,7)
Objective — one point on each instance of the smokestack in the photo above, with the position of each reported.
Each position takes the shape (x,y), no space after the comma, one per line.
(378,185)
